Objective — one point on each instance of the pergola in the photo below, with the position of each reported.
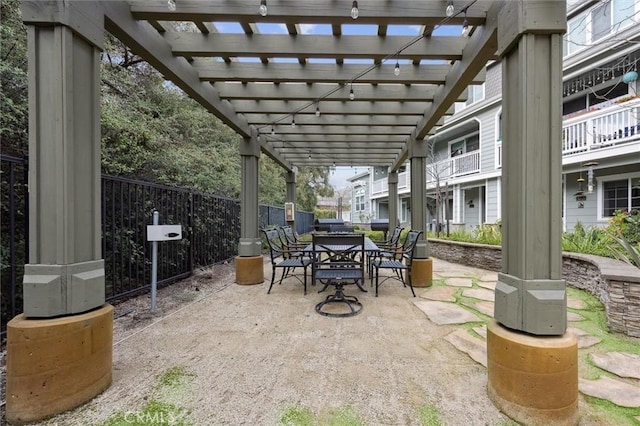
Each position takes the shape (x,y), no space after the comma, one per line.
(350,107)
(265,82)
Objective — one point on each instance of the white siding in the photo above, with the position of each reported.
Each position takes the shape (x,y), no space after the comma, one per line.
(472,214)
(493,199)
(488,139)
(585,215)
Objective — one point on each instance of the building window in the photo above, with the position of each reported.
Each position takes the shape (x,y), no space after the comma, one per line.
(620,194)
(589,27)
(404,209)
(359,200)
(601,21)
(475,94)
(576,37)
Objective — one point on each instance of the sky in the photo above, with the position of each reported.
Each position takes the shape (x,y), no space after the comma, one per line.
(340,174)
(338,178)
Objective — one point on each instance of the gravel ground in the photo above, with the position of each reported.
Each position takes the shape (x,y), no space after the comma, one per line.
(246,357)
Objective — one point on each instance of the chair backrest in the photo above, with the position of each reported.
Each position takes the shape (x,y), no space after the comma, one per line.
(272,237)
(409,246)
(395,236)
(341,228)
(289,235)
(338,251)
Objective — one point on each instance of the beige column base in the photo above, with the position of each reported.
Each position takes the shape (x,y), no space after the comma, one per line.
(533,380)
(54,365)
(249,270)
(421,272)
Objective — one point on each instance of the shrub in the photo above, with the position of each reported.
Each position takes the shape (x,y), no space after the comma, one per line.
(626,251)
(626,225)
(590,241)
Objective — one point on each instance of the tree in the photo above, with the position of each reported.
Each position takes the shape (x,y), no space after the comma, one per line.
(13,80)
(150,129)
(312,182)
(438,170)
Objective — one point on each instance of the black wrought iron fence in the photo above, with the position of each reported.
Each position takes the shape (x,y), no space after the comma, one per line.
(274,216)
(210,229)
(14,234)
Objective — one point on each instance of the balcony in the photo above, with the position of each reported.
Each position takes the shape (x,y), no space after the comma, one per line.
(460,165)
(615,124)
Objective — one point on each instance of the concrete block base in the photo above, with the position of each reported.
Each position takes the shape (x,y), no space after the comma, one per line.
(533,380)
(249,270)
(422,272)
(54,365)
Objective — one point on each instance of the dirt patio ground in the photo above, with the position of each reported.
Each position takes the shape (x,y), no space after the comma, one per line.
(245,357)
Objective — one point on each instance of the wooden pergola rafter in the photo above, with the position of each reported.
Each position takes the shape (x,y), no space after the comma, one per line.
(270,80)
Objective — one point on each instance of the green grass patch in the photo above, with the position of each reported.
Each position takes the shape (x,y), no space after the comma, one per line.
(345,416)
(174,377)
(610,413)
(595,323)
(152,414)
(297,416)
(507,422)
(429,415)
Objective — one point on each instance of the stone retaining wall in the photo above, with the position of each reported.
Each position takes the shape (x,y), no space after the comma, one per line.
(615,283)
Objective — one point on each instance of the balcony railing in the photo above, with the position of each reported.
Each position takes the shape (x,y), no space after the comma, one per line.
(453,167)
(381,186)
(613,125)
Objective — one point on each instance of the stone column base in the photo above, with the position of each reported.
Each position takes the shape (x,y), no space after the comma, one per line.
(249,270)
(533,380)
(55,365)
(421,272)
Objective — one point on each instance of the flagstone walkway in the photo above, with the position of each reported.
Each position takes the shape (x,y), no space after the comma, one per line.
(463,295)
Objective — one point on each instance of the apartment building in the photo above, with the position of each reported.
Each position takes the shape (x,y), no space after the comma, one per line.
(600,133)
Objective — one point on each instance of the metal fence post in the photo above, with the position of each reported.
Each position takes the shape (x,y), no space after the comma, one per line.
(154,265)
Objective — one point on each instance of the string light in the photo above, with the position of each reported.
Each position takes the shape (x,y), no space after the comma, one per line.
(354,15)
(465,25)
(354,10)
(273,130)
(263,8)
(309,155)
(449,10)
(171,4)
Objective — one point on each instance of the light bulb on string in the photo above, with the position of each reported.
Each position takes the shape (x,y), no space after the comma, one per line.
(354,10)
(309,155)
(396,70)
(263,8)
(293,121)
(465,26)
(352,95)
(273,130)
(449,10)
(171,4)
(318,109)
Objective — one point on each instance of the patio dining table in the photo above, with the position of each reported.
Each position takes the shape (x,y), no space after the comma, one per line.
(370,248)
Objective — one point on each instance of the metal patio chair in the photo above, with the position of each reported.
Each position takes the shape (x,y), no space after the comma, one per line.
(398,264)
(338,260)
(285,259)
(388,249)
